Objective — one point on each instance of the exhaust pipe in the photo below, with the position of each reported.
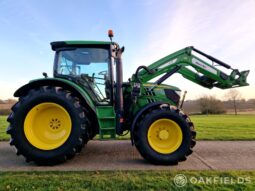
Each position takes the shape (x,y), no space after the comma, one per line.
(119,92)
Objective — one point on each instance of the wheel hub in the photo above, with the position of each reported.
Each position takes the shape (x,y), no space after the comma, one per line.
(163,134)
(55,124)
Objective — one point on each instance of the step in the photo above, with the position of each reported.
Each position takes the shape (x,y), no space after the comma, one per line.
(106,120)
(107,137)
(105,123)
(108,128)
(102,118)
(108,133)
(105,111)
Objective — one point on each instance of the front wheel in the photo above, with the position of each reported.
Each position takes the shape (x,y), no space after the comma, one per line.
(165,136)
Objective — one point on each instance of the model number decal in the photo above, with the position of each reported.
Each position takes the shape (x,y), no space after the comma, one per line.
(204,66)
(168,63)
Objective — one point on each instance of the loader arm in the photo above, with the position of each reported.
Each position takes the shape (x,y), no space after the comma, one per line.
(190,65)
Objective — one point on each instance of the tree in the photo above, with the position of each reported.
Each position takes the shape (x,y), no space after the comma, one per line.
(234,95)
(211,105)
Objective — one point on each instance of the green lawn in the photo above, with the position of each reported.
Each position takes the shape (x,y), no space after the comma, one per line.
(225,127)
(126,180)
(3,126)
(211,127)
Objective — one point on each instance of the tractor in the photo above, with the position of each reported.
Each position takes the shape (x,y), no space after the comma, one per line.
(86,97)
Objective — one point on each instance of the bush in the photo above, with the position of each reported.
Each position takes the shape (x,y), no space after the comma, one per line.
(211,105)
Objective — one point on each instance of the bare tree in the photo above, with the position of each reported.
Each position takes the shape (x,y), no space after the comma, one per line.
(234,95)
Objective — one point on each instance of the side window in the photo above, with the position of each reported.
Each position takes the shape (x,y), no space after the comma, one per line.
(91,66)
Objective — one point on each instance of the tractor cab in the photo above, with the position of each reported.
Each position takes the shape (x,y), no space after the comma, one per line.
(88,64)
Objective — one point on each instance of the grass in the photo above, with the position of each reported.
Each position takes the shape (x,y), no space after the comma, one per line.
(211,127)
(126,180)
(3,127)
(225,127)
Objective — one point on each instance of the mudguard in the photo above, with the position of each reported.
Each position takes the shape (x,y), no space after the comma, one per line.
(59,82)
(140,113)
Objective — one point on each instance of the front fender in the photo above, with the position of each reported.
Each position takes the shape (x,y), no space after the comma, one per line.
(140,113)
(57,82)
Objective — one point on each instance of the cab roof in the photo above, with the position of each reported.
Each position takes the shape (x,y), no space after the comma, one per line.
(61,44)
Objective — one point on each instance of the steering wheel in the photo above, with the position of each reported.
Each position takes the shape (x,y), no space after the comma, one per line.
(104,73)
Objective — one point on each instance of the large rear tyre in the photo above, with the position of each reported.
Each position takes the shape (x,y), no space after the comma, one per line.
(48,125)
(165,136)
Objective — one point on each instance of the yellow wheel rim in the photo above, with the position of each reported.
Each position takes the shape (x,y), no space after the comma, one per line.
(47,126)
(164,136)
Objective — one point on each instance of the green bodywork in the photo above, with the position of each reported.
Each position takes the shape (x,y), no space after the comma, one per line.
(185,59)
(59,81)
(87,42)
(148,96)
(189,66)
(107,122)
(192,68)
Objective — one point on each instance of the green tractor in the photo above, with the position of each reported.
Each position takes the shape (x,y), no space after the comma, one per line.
(55,117)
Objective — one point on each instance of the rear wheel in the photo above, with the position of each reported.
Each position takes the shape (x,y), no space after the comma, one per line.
(48,125)
(165,136)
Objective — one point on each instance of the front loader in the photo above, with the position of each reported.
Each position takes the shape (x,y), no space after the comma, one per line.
(55,117)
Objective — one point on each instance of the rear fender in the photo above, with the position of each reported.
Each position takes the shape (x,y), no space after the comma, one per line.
(57,82)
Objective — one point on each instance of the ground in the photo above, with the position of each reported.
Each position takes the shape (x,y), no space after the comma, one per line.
(212,127)
(116,165)
(121,155)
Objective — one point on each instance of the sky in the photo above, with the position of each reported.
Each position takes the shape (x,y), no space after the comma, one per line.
(149,30)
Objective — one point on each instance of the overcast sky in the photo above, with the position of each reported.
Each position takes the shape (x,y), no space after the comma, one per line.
(149,29)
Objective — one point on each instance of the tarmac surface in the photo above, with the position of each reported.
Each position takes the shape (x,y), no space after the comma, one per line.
(121,155)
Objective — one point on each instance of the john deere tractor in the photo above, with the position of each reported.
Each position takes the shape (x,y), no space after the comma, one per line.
(55,117)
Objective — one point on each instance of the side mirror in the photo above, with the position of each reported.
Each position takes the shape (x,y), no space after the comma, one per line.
(45,74)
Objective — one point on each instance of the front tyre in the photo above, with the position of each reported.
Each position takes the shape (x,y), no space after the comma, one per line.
(48,125)
(165,136)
